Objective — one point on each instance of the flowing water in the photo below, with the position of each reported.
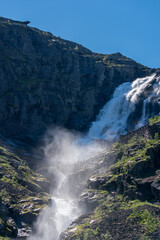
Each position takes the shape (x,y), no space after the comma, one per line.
(112,119)
(55,219)
(66,148)
(63,153)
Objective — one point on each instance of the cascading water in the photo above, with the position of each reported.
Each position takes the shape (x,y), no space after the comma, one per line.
(113,118)
(63,154)
(66,149)
(54,219)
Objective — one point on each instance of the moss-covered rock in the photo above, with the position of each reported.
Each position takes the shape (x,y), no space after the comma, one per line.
(122,200)
(23,194)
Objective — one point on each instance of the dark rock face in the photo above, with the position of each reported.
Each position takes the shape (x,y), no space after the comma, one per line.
(46,80)
(147,132)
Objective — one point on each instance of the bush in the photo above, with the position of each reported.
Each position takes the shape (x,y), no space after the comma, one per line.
(156,119)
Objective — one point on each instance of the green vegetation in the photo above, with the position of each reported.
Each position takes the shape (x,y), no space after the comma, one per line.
(135,150)
(45,33)
(156,137)
(150,222)
(144,237)
(21,191)
(105,57)
(154,120)
(140,215)
(106,236)
(76,48)
(91,233)
(109,63)
(134,211)
(9,23)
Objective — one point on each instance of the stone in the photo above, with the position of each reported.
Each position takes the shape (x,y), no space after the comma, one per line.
(155,187)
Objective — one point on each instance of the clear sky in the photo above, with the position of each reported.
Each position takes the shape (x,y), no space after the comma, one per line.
(131,27)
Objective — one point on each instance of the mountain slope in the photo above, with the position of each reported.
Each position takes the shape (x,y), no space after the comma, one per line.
(23,195)
(47,81)
(122,198)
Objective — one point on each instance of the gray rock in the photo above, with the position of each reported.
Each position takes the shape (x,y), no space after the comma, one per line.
(155,186)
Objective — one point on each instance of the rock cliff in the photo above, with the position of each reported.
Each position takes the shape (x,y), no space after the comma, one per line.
(47,81)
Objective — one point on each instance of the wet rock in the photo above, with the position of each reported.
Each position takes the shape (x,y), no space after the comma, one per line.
(12,229)
(74,184)
(142,168)
(115,185)
(97,182)
(44,184)
(146,189)
(154,155)
(155,187)
(88,201)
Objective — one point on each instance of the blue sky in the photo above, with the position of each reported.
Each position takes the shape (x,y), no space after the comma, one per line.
(131,27)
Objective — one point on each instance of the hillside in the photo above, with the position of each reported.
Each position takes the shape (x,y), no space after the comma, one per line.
(23,194)
(121,198)
(117,190)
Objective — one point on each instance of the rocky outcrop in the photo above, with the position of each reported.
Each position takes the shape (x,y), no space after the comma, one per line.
(121,200)
(23,195)
(9,21)
(47,81)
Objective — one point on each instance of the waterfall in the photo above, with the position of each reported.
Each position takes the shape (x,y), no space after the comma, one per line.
(67,149)
(54,219)
(63,154)
(113,118)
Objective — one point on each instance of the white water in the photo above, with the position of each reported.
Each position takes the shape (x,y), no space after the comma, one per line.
(55,219)
(63,154)
(66,148)
(112,120)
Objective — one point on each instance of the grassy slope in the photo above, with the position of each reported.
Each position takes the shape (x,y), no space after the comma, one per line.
(128,202)
(23,194)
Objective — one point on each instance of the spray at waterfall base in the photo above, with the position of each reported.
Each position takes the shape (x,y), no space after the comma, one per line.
(66,152)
